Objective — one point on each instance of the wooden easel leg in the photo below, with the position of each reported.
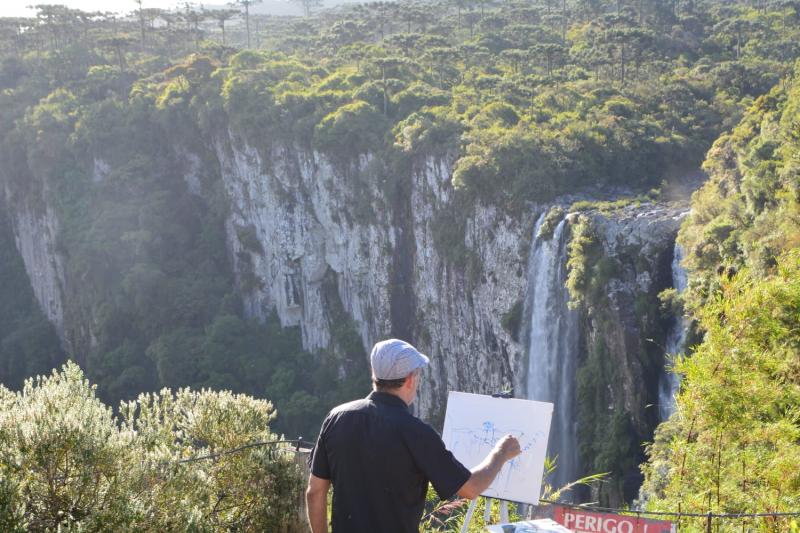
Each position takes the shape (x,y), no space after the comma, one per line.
(468,517)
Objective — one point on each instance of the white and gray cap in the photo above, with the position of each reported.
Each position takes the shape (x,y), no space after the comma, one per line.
(395,359)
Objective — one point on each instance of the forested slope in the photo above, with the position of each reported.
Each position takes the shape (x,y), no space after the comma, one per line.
(732,445)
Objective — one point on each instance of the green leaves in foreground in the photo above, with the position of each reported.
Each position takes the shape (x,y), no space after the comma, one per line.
(67,463)
(733,443)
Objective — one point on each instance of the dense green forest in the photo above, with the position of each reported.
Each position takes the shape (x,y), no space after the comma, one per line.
(532,99)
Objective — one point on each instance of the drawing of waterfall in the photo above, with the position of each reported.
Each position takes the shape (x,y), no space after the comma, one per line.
(479,443)
(552,341)
(669,382)
(475,423)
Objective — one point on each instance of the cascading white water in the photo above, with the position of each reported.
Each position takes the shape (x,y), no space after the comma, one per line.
(669,382)
(552,343)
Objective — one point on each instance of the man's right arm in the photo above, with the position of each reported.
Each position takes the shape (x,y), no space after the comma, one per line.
(317,503)
(319,482)
(483,474)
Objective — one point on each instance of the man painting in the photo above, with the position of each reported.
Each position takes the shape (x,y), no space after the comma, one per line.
(379,457)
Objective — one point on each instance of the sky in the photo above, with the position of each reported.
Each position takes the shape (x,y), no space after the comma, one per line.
(16,8)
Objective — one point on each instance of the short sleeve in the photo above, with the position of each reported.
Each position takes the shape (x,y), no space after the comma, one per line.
(436,462)
(319,455)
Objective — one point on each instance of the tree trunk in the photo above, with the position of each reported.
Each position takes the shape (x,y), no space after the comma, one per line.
(247,22)
(120,58)
(385,98)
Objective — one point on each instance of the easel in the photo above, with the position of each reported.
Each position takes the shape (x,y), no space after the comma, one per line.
(487,513)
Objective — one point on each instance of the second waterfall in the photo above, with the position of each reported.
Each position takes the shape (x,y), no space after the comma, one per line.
(552,340)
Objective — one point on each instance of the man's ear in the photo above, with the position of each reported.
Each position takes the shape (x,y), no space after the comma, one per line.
(409,382)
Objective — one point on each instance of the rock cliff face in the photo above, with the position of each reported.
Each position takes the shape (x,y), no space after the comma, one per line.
(297,241)
(303,232)
(35,229)
(460,307)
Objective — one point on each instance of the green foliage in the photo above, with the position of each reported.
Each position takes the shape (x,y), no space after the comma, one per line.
(353,129)
(512,319)
(605,433)
(507,166)
(747,212)
(431,130)
(734,433)
(553,217)
(584,256)
(536,102)
(607,207)
(68,463)
(671,302)
(733,441)
(249,102)
(418,95)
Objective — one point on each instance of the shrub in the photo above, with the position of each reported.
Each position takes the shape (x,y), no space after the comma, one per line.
(351,130)
(66,462)
(584,249)
(734,432)
(550,222)
(512,319)
(418,95)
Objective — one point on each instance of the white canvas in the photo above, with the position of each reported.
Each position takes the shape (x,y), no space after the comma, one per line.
(474,423)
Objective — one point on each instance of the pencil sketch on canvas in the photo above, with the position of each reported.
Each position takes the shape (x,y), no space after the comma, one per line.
(473,425)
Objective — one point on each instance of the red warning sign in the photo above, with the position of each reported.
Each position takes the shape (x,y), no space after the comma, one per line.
(586,522)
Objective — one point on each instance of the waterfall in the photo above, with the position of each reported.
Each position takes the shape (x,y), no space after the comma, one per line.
(676,338)
(552,341)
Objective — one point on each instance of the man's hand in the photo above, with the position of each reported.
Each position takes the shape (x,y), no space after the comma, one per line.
(508,448)
(482,475)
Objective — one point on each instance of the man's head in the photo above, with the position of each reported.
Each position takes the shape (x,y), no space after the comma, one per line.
(396,367)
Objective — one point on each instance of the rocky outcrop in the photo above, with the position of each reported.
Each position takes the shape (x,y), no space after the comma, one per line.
(624,333)
(35,229)
(460,307)
(640,242)
(294,225)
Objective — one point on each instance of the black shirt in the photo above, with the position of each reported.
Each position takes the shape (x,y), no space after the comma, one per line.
(379,458)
